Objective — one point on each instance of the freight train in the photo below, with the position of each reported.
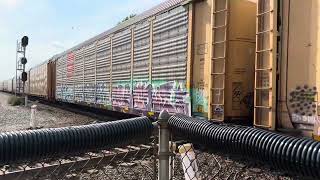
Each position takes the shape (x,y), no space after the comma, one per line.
(221,60)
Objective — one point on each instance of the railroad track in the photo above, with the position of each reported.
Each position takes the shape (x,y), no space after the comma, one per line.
(102,115)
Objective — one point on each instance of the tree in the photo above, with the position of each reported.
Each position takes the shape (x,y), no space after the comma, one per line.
(127,18)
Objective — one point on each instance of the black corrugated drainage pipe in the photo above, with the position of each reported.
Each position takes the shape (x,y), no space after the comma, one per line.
(292,154)
(20,146)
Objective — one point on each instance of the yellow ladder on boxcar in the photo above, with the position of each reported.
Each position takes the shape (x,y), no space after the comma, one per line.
(265,64)
(219,24)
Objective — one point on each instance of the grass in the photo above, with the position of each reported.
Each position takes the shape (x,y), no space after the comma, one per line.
(15,101)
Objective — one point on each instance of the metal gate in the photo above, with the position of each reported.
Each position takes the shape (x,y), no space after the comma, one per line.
(219,20)
(265,65)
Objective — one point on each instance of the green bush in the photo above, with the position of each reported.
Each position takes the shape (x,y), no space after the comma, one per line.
(15,101)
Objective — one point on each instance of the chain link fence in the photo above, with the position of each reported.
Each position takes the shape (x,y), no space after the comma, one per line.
(134,161)
(162,156)
(193,162)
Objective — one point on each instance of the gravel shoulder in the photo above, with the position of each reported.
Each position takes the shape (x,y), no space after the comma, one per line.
(13,118)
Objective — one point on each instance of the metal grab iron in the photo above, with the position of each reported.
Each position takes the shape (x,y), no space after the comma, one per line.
(20,146)
(297,155)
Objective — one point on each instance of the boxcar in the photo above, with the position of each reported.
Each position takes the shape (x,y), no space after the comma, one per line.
(164,58)
(42,80)
(287,65)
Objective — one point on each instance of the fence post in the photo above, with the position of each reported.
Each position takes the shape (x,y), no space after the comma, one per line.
(164,152)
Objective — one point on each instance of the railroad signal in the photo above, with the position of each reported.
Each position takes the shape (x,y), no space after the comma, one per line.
(23,60)
(24,41)
(24,76)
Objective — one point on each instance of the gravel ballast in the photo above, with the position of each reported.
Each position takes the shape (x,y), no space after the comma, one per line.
(14,118)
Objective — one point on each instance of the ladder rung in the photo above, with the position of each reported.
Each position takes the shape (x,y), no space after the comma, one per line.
(215,58)
(217,88)
(263,13)
(265,69)
(219,11)
(264,88)
(218,27)
(263,32)
(264,50)
(222,73)
(263,107)
(219,42)
(217,104)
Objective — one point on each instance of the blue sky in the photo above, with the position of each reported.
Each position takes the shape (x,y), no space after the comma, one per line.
(56,25)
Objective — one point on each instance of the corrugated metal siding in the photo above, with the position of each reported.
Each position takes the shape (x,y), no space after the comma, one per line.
(121,68)
(141,65)
(103,71)
(65,78)
(69,78)
(38,80)
(89,73)
(169,60)
(78,76)
(60,80)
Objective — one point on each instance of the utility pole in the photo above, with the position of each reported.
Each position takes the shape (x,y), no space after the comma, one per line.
(21,67)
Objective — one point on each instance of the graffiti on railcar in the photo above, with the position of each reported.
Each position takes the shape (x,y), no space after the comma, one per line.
(142,93)
(102,93)
(121,94)
(170,95)
(303,106)
(78,93)
(89,93)
(199,100)
(59,91)
(67,93)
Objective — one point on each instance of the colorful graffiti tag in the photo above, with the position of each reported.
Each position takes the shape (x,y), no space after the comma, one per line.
(171,96)
(142,95)
(121,94)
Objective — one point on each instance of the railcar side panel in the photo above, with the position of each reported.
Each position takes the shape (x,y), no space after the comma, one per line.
(39,80)
(169,61)
(103,63)
(142,90)
(78,76)
(89,74)
(121,69)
